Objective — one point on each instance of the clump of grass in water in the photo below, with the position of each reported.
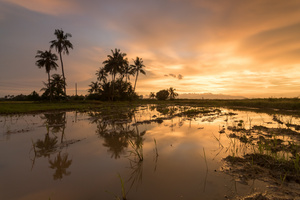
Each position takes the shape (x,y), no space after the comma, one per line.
(137,150)
(123,190)
(123,187)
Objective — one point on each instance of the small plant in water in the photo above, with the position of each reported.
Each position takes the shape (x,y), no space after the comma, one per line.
(282,178)
(137,150)
(123,187)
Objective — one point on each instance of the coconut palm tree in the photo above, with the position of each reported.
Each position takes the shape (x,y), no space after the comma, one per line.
(138,68)
(48,60)
(114,65)
(94,87)
(62,45)
(101,75)
(152,95)
(172,93)
(128,71)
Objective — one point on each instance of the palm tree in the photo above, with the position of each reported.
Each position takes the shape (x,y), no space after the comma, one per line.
(94,87)
(172,93)
(56,87)
(138,68)
(48,60)
(62,45)
(115,64)
(128,71)
(152,95)
(101,75)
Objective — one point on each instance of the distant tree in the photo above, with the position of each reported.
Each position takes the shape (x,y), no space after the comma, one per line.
(48,60)
(162,95)
(34,96)
(114,65)
(138,68)
(62,45)
(172,93)
(152,95)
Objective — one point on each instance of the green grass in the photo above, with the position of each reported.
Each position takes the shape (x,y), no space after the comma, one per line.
(16,107)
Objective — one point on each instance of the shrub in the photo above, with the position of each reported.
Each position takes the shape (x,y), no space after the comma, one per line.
(162,95)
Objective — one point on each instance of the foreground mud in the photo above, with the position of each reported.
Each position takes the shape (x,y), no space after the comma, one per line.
(275,160)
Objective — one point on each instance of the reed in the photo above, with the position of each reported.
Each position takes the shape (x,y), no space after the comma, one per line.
(156,151)
(137,150)
(205,159)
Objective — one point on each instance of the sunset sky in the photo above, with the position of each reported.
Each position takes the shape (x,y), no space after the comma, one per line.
(249,48)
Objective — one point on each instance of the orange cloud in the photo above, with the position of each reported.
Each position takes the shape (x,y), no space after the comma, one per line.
(52,7)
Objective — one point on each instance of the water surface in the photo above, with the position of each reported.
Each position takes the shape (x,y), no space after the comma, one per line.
(71,155)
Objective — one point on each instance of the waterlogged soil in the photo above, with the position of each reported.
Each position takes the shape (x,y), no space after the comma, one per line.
(150,152)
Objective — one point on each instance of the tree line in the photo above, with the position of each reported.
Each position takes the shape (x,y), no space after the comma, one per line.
(164,94)
(112,79)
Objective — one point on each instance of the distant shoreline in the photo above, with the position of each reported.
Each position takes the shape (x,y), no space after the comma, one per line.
(21,107)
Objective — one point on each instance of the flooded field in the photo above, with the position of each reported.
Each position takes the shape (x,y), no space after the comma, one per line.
(150,152)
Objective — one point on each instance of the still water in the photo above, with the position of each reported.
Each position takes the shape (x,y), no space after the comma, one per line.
(149,152)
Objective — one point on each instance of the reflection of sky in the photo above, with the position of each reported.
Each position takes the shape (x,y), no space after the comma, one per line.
(179,170)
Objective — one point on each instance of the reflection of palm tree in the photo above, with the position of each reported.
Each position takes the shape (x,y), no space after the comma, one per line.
(62,45)
(48,60)
(116,145)
(45,147)
(57,122)
(138,68)
(60,164)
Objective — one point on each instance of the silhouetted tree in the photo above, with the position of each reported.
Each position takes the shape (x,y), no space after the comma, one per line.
(34,96)
(101,75)
(128,71)
(137,68)
(114,65)
(162,95)
(94,87)
(152,95)
(48,60)
(56,86)
(172,93)
(62,45)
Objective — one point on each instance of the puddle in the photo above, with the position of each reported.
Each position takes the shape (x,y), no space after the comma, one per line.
(148,152)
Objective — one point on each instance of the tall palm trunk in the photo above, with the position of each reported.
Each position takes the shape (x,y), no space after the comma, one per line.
(137,74)
(113,86)
(63,72)
(49,86)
